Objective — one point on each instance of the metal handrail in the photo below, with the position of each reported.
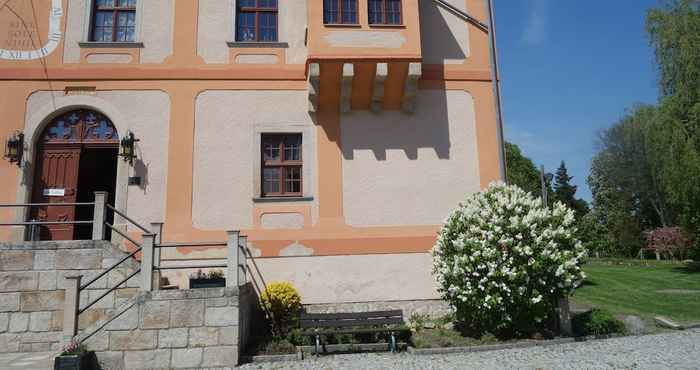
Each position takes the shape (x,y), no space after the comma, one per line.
(105,272)
(192,244)
(24,205)
(127,237)
(124,216)
(108,291)
(29,223)
(190,267)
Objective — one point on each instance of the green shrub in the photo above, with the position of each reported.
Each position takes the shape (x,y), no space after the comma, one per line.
(597,322)
(281,302)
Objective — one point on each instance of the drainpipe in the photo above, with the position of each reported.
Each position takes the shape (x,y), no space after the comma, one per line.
(496,76)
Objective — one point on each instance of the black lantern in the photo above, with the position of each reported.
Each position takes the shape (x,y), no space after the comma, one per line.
(127,144)
(14,148)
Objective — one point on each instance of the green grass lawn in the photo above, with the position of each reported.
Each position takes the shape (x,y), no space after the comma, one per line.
(632,287)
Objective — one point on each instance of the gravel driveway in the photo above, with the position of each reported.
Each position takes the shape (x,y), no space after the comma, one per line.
(679,350)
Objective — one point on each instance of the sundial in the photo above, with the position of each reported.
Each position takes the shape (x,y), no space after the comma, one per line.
(29,29)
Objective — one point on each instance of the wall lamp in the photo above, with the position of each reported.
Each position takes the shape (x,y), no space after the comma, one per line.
(14,148)
(127,146)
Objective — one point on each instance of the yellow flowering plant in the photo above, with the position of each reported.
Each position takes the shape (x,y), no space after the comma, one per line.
(281,302)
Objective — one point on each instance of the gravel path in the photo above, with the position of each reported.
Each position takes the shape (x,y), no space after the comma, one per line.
(679,350)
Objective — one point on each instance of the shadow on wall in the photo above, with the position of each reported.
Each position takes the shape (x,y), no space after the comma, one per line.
(140,169)
(438,41)
(428,127)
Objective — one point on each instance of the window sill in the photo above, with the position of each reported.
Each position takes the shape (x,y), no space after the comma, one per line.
(281,199)
(387,26)
(109,44)
(257,44)
(342,25)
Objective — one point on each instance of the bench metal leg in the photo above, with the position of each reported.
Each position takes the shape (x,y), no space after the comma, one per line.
(318,345)
(393,342)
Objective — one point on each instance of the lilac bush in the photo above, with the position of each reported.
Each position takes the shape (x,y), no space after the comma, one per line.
(503,260)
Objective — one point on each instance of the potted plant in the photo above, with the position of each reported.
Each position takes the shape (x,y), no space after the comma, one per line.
(213,279)
(74,356)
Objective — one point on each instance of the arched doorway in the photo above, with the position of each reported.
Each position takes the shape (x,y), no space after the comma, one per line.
(76,156)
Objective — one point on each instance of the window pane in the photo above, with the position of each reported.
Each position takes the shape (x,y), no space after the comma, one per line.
(330,11)
(271,179)
(104,18)
(127,3)
(268,26)
(267,4)
(376,10)
(292,180)
(271,152)
(246,26)
(122,18)
(292,148)
(349,11)
(246,3)
(104,3)
(394,11)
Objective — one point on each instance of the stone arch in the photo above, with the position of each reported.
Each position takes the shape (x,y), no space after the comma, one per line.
(36,122)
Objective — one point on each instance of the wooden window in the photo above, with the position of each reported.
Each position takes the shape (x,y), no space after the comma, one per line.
(256,20)
(281,165)
(340,12)
(114,21)
(385,12)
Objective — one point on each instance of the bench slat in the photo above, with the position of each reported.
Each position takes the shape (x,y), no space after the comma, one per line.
(350,315)
(397,329)
(347,323)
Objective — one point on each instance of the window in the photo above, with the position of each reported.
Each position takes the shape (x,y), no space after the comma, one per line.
(281,165)
(385,12)
(340,11)
(114,21)
(256,20)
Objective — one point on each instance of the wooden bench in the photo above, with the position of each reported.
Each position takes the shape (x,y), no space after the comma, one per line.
(319,324)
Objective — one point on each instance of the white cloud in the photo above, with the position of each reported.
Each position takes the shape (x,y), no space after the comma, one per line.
(535,31)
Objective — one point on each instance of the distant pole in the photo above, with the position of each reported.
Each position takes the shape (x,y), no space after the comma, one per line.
(543,184)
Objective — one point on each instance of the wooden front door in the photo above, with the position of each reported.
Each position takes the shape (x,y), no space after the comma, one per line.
(56,181)
(57,168)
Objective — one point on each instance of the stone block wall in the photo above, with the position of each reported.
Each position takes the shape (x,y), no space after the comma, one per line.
(172,329)
(32,283)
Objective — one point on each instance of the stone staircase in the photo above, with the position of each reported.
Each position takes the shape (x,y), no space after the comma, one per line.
(32,289)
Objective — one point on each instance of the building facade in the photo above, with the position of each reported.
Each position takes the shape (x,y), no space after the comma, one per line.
(337,135)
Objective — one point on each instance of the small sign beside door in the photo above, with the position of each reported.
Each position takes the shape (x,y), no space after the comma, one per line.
(55,192)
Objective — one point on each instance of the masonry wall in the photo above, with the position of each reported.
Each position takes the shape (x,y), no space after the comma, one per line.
(32,283)
(176,329)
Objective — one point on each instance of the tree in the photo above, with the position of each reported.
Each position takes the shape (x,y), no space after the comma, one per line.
(565,192)
(674,30)
(627,194)
(521,171)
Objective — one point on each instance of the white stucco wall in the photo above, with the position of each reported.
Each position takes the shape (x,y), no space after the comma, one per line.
(339,279)
(444,36)
(147,115)
(227,151)
(154,28)
(401,169)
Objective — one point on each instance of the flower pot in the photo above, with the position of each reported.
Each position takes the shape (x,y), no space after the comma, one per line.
(207,283)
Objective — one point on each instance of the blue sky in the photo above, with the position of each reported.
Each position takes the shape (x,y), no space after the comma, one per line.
(570,69)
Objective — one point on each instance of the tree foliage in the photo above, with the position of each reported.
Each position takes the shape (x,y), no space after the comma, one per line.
(521,171)
(647,170)
(565,192)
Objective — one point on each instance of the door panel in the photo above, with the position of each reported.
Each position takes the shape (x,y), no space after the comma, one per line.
(56,181)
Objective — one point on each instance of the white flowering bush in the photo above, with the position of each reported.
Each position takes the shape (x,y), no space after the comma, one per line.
(502,260)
